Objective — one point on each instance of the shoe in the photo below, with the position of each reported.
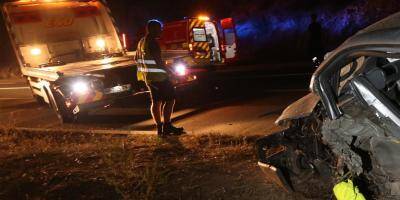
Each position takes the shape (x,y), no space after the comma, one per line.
(169,129)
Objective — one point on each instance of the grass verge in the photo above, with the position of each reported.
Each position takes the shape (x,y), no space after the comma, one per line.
(75,166)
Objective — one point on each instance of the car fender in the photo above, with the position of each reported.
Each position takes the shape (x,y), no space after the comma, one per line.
(299,109)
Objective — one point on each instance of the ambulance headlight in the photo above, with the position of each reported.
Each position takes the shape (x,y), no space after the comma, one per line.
(180,69)
(80,87)
(100,43)
(35,51)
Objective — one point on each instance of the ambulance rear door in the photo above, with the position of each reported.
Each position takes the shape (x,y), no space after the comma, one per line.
(229,40)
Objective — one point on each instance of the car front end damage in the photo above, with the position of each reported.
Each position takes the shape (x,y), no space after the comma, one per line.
(316,152)
(348,128)
(293,157)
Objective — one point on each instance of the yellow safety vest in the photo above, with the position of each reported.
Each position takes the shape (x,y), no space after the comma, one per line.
(346,190)
(148,70)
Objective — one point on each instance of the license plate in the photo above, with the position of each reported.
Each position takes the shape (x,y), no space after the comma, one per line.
(118,89)
(76,110)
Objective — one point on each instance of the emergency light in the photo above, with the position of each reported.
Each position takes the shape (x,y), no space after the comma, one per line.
(203,18)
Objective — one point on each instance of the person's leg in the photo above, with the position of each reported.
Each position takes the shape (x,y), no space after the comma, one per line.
(167,94)
(155,108)
(162,109)
(156,112)
(168,128)
(168,109)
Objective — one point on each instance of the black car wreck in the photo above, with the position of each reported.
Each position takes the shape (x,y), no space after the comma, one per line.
(348,127)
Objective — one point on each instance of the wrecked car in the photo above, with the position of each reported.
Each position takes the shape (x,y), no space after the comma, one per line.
(348,127)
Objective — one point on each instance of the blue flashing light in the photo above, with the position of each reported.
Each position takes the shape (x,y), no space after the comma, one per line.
(265,27)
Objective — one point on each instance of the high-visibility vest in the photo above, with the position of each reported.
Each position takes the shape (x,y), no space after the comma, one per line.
(346,190)
(148,70)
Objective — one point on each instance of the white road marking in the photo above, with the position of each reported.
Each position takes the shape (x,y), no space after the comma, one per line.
(11,83)
(15,98)
(14,88)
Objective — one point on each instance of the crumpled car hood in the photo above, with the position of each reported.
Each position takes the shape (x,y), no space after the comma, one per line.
(299,109)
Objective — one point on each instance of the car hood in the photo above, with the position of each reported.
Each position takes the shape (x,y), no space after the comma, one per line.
(299,109)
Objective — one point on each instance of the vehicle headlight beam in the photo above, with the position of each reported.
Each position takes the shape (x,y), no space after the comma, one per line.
(180,69)
(80,87)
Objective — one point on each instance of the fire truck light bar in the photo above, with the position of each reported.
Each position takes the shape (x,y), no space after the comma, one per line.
(204,18)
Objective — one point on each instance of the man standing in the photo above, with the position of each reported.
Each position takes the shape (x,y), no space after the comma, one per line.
(152,70)
(315,46)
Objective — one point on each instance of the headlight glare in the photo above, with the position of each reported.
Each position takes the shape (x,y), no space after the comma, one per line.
(180,69)
(80,87)
(101,43)
(36,51)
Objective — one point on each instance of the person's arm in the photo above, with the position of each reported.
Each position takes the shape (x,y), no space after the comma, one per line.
(155,51)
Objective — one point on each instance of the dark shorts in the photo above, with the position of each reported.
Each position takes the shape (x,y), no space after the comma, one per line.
(161,91)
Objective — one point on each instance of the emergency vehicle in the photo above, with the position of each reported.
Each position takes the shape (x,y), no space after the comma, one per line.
(70,53)
(192,44)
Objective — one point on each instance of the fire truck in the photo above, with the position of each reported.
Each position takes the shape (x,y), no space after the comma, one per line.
(193,45)
(71,54)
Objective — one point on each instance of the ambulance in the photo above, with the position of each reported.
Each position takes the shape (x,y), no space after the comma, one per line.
(71,54)
(194,45)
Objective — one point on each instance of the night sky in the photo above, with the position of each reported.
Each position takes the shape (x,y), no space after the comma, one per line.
(261,24)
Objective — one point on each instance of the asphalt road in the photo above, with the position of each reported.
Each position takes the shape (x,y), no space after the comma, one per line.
(243,104)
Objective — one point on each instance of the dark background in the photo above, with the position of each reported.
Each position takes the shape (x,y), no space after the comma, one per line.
(273,31)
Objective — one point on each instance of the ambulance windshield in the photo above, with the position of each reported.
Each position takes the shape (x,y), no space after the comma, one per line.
(63,31)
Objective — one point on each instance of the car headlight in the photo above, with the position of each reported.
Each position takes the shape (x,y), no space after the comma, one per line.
(81,87)
(180,69)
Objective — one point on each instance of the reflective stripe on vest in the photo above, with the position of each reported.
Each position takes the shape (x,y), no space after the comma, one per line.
(147,62)
(155,70)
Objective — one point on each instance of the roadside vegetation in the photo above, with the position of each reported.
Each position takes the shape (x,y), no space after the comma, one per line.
(78,166)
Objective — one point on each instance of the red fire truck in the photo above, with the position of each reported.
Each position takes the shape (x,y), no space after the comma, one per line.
(192,44)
